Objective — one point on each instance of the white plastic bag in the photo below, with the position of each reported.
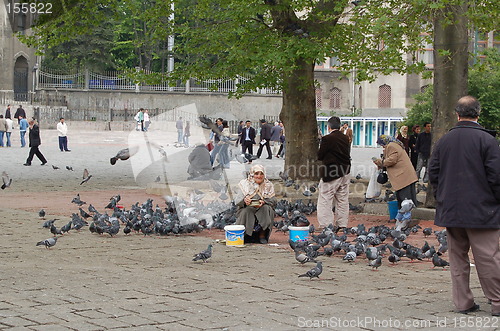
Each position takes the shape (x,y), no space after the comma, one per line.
(374,189)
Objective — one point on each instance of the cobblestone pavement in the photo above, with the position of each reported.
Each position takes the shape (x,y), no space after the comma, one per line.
(91,282)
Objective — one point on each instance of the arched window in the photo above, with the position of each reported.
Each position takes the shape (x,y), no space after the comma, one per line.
(318,98)
(335,98)
(360,98)
(384,96)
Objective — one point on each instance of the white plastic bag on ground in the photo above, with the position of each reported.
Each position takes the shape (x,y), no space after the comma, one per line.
(374,189)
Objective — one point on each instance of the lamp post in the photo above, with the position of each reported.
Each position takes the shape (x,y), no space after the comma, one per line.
(34,75)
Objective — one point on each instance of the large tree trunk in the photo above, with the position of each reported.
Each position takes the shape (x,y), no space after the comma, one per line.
(450,73)
(299,119)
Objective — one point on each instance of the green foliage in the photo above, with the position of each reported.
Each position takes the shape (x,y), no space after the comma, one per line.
(484,84)
(421,111)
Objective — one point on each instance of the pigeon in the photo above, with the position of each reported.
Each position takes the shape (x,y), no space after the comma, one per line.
(157,180)
(375,264)
(55,231)
(55,167)
(77,200)
(307,191)
(83,213)
(439,262)
(204,255)
(41,213)
(86,176)
(427,231)
(66,227)
(394,258)
(123,154)
(6,180)
(69,168)
(314,272)
(350,257)
(92,209)
(208,124)
(47,242)
(48,223)
(302,258)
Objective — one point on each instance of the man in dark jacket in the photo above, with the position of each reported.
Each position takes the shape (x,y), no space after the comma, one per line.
(464,170)
(20,112)
(35,141)
(247,138)
(334,151)
(265,137)
(423,148)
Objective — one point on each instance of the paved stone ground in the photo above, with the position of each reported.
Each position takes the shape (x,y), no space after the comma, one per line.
(90,282)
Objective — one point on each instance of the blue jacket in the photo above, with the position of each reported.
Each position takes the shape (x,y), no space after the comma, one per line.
(23,125)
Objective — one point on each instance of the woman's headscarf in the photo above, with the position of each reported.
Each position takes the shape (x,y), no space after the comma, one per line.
(384,140)
(250,187)
(401,130)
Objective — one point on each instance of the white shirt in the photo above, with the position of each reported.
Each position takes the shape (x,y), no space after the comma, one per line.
(62,129)
(9,124)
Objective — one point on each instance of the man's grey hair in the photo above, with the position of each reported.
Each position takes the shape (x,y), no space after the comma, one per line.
(334,122)
(468,107)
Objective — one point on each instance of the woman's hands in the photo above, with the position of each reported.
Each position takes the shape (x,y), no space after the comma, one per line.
(248,201)
(378,162)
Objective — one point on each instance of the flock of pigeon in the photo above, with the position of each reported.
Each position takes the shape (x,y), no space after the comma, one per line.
(182,216)
(374,244)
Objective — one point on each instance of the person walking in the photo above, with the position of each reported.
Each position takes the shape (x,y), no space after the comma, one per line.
(247,138)
(23,126)
(265,137)
(3,129)
(412,141)
(423,147)
(282,150)
(62,131)
(20,112)
(334,152)
(187,134)
(139,118)
(7,112)
(35,142)
(147,121)
(464,171)
(241,126)
(179,127)
(8,129)
(275,138)
(215,139)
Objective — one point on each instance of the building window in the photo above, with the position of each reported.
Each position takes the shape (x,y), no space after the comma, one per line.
(335,97)
(318,98)
(426,53)
(384,96)
(360,97)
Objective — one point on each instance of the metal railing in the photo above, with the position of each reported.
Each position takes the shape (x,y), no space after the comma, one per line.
(115,80)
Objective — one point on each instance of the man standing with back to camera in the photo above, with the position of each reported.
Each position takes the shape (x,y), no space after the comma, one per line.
(334,151)
(464,171)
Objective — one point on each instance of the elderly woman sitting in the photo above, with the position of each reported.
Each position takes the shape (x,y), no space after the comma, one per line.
(256,209)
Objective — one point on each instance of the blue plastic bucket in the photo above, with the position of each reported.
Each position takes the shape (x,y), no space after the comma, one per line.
(393,209)
(298,233)
(235,235)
